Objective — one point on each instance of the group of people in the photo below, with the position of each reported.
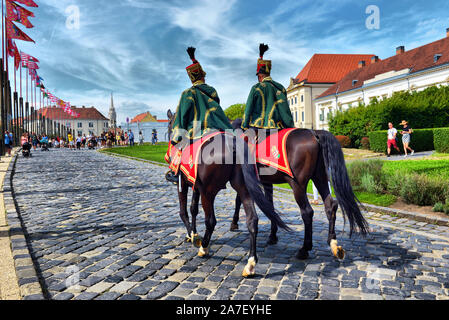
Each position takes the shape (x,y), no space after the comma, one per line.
(406,138)
(30,141)
(199,109)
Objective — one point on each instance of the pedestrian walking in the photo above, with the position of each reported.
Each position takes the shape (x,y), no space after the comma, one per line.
(391,142)
(8,142)
(131,138)
(78,142)
(406,137)
(154,137)
(141,139)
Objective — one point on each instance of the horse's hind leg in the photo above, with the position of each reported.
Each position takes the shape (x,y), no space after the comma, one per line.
(235,219)
(252,222)
(321,182)
(194,209)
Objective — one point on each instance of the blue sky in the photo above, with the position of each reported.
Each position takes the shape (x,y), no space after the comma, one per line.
(136,48)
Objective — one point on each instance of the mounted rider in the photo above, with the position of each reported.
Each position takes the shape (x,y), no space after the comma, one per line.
(198,112)
(267,107)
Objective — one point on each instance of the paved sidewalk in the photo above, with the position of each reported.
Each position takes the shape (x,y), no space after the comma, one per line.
(9,289)
(102,227)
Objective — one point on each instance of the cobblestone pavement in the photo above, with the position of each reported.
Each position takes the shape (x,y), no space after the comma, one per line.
(114,225)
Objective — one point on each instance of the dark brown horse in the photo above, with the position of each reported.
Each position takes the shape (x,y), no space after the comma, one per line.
(311,155)
(213,173)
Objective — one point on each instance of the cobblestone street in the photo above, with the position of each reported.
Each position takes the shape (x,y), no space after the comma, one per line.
(114,225)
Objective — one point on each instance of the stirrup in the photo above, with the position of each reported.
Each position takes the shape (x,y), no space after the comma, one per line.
(170,177)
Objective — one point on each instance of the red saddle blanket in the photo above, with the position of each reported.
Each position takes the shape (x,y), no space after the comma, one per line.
(272,151)
(187,160)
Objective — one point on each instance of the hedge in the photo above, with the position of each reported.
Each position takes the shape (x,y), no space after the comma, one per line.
(421,140)
(441,140)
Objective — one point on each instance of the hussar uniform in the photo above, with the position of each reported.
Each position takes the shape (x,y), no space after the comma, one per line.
(199,110)
(267,106)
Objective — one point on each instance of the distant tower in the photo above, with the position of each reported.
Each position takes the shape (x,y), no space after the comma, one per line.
(112,114)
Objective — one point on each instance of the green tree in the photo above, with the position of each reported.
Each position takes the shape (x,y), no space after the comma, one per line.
(236,111)
(425,109)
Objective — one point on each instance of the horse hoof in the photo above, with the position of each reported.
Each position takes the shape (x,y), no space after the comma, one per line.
(234,227)
(250,268)
(340,253)
(302,254)
(203,252)
(272,241)
(337,251)
(197,241)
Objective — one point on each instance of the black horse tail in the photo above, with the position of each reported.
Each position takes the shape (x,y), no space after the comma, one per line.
(254,185)
(335,161)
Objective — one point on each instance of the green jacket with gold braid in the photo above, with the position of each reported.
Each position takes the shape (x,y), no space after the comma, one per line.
(267,107)
(198,112)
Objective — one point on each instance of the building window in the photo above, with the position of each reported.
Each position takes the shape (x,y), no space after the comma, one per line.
(296,100)
(106,125)
(302,98)
(296,116)
(91,124)
(80,124)
(80,133)
(303,116)
(322,115)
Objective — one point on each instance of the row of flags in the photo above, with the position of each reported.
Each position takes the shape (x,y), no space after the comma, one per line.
(17,13)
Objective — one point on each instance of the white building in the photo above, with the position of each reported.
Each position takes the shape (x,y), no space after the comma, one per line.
(319,74)
(413,70)
(91,121)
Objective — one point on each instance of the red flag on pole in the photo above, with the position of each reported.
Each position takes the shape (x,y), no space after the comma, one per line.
(13,32)
(13,51)
(29,3)
(18,13)
(32,65)
(26,57)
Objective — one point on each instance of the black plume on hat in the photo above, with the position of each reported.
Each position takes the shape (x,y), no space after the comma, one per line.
(191,52)
(262,49)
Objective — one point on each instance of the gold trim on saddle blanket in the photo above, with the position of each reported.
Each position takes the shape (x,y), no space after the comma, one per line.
(183,166)
(286,169)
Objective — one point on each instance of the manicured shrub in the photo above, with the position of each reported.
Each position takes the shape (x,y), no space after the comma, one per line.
(345,141)
(394,183)
(441,140)
(357,169)
(421,140)
(423,109)
(421,190)
(368,184)
(365,143)
(438,207)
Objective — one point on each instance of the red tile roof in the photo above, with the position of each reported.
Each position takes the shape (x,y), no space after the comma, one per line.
(330,68)
(140,117)
(418,59)
(85,114)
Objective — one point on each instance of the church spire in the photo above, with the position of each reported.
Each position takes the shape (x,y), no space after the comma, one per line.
(112,114)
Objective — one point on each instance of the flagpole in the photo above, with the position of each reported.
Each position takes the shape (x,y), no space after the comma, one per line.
(3,36)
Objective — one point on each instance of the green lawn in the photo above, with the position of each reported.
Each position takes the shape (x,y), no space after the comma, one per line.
(438,168)
(382,200)
(146,152)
